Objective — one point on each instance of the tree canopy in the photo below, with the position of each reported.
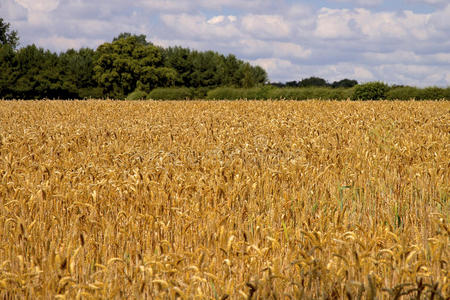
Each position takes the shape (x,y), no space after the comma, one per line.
(128,63)
(8,36)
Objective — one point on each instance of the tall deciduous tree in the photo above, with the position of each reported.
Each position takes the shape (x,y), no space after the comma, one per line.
(8,36)
(312,81)
(127,63)
(77,73)
(36,75)
(344,83)
(7,57)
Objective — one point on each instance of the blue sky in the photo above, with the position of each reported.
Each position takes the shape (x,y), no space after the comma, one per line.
(399,41)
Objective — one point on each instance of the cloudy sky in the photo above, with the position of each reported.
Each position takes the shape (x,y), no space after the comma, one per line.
(396,41)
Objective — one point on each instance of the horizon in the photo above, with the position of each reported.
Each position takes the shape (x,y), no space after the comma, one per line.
(400,43)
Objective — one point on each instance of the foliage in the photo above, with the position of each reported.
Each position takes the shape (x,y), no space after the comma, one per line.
(224,200)
(310,93)
(403,93)
(230,93)
(140,39)
(127,64)
(370,91)
(270,92)
(7,36)
(317,82)
(171,94)
(211,69)
(7,57)
(76,70)
(312,81)
(35,75)
(344,83)
(432,93)
(137,95)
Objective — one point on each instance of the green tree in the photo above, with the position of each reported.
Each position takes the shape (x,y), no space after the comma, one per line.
(179,59)
(207,69)
(312,81)
(77,73)
(9,41)
(370,91)
(247,79)
(7,58)
(259,75)
(8,36)
(127,64)
(141,39)
(344,83)
(35,74)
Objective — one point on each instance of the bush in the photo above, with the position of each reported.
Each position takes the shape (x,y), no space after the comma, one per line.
(137,95)
(230,93)
(432,93)
(370,91)
(403,93)
(447,93)
(200,92)
(171,94)
(310,93)
(91,93)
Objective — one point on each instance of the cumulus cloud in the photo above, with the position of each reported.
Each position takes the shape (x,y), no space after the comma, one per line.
(431,2)
(39,5)
(362,2)
(266,26)
(194,5)
(221,19)
(198,27)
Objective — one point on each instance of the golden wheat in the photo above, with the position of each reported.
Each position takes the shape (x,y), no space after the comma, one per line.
(216,200)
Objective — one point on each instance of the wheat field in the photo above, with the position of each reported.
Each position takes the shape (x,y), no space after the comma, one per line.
(224,200)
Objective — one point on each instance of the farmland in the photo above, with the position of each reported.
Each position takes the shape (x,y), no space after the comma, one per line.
(217,200)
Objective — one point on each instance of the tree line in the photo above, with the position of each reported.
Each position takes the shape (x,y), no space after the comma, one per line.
(317,82)
(114,70)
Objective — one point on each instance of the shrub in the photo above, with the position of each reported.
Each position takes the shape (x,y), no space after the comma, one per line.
(91,93)
(171,94)
(200,92)
(310,93)
(403,93)
(447,93)
(230,93)
(137,95)
(370,91)
(432,93)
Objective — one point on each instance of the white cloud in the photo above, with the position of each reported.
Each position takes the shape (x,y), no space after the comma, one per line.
(192,5)
(266,26)
(221,19)
(39,5)
(431,2)
(216,20)
(12,10)
(361,2)
(198,27)
(441,20)
(232,18)
(376,26)
(334,23)
(281,69)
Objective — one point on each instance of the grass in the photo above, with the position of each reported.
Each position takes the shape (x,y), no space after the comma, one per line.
(216,200)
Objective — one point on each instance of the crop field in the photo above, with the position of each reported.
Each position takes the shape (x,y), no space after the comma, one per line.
(224,200)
